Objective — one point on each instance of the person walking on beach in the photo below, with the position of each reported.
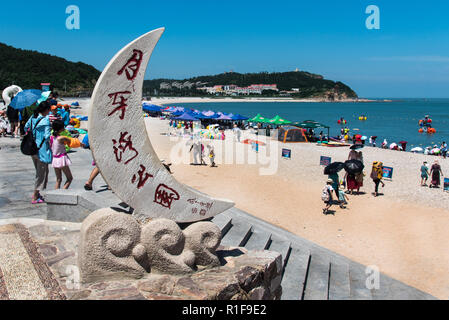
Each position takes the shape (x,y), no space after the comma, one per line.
(61,161)
(343,199)
(335,182)
(40,126)
(326,195)
(424,174)
(435,172)
(13,117)
(211,155)
(376,175)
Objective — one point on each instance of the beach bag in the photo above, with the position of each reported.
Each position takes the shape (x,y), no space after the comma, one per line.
(325,194)
(28,145)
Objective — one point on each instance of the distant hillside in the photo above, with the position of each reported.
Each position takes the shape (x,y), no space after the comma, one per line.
(28,69)
(296,83)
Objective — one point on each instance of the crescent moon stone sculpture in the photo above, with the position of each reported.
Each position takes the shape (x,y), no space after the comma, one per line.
(122,149)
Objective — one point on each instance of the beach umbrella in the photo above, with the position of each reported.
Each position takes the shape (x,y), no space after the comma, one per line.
(393,145)
(25,98)
(334,167)
(364,138)
(353,166)
(356,146)
(417,149)
(374,137)
(44,97)
(9,93)
(435,151)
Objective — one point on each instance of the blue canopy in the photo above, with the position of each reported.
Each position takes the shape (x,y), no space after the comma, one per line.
(238,117)
(151,108)
(186,117)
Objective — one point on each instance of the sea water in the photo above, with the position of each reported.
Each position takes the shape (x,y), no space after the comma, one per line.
(395,121)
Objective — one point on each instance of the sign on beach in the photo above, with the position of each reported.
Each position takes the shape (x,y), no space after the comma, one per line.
(446,184)
(388,172)
(325,161)
(287,153)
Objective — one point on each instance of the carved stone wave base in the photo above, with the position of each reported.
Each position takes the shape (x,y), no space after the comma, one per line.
(115,245)
(243,275)
(119,258)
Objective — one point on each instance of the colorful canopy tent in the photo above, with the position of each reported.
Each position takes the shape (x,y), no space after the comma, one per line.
(223,117)
(258,118)
(186,117)
(239,117)
(278,121)
(291,134)
(312,124)
(151,108)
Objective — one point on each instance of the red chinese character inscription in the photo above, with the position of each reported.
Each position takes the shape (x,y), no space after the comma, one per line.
(123,145)
(121,103)
(132,67)
(165,196)
(143,177)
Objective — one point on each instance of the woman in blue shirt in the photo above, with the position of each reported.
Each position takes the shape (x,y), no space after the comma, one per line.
(40,124)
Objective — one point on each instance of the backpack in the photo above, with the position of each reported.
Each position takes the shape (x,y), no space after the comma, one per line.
(28,145)
(325,194)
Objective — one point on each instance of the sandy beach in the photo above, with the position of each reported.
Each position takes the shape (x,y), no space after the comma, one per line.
(403,232)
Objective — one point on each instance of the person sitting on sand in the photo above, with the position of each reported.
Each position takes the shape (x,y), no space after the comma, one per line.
(326,195)
(424,174)
(435,172)
(377,175)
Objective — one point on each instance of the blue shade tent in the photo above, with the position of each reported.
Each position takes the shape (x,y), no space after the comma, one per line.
(239,117)
(151,108)
(177,113)
(25,98)
(223,117)
(186,117)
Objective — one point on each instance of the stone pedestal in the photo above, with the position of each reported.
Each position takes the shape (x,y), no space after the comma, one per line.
(241,274)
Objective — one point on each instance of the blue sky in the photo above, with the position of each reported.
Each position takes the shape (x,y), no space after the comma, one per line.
(407,57)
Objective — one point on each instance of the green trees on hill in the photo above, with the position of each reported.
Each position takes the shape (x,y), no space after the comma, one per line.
(308,84)
(28,69)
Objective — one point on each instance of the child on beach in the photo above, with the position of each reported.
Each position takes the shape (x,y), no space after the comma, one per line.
(342,198)
(424,174)
(326,195)
(211,155)
(61,161)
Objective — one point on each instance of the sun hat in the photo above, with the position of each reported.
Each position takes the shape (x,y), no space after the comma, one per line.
(330,181)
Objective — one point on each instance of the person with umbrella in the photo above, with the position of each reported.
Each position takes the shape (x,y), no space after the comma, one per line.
(332,171)
(353,168)
(40,124)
